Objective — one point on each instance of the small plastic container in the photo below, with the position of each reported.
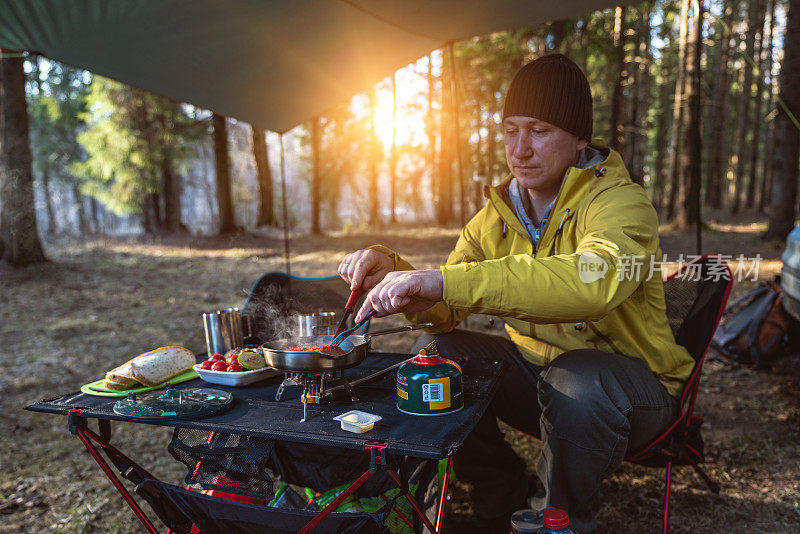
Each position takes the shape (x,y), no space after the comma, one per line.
(242,378)
(357,421)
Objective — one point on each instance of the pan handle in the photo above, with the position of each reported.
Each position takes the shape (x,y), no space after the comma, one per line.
(405,328)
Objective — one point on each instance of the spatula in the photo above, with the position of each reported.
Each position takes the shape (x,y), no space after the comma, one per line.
(345,333)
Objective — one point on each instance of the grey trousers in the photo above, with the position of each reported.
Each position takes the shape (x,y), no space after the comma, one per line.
(590,408)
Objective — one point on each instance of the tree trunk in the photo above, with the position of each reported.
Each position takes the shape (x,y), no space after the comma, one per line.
(45,165)
(719,111)
(94,216)
(171,189)
(374,199)
(221,158)
(316,181)
(170,180)
(677,116)
(83,224)
(459,176)
(444,195)
(266,208)
(787,132)
(769,143)
(640,69)
(491,140)
(557,28)
(662,130)
(480,159)
(151,220)
(693,151)
(758,121)
(617,134)
(688,163)
(393,156)
(743,124)
(48,201)
(19,238)
(430,127)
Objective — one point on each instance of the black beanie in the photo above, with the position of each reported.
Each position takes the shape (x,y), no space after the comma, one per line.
(555,90)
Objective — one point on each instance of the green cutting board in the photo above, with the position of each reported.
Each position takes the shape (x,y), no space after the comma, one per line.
(96,387)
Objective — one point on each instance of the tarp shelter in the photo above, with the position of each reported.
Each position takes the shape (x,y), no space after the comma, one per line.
(272,63)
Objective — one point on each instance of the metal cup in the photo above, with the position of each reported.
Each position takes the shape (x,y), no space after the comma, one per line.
(316,324)
(224,330)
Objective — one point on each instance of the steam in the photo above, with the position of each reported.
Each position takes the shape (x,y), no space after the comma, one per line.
(274,308)
(269,312)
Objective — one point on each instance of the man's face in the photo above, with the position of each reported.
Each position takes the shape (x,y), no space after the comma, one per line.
(539,153)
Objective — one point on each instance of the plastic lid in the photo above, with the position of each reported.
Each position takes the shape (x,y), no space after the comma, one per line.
(555,518)
(174,403)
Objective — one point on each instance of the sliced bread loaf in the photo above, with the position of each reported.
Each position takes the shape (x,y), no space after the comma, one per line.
(150,368)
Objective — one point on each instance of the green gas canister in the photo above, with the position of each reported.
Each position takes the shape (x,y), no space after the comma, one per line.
(429,385)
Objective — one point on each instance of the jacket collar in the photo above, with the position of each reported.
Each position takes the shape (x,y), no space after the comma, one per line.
(574,187)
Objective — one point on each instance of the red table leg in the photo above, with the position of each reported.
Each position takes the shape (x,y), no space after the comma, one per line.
(443,496)
(115,481)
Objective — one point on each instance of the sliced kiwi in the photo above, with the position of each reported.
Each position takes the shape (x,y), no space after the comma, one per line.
(250,359)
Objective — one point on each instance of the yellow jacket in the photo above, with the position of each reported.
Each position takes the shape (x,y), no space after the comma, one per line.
(552,301)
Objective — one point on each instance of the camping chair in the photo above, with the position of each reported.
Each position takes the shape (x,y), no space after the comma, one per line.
(695,298)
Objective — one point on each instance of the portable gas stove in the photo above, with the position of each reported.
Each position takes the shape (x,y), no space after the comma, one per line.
(318,387)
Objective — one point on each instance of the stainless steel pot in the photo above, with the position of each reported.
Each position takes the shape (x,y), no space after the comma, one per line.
(224,330)
(356,348)
(315,324)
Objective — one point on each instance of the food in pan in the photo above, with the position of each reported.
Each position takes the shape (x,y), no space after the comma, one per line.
(150,369)
(326,349)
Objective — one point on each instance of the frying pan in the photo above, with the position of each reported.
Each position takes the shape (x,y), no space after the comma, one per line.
(356,348)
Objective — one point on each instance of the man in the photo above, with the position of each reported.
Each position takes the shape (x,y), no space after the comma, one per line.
(593,369)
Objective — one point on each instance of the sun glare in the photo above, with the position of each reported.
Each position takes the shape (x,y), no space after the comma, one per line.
(408,126)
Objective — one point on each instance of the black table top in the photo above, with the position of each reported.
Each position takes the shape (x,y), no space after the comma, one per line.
(255,411)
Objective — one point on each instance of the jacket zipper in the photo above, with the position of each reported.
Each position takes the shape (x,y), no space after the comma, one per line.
(547,223)
(558,230)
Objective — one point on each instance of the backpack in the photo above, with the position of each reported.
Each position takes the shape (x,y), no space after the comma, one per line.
(756,327)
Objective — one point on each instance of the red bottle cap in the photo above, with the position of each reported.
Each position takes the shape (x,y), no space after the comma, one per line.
(555,518)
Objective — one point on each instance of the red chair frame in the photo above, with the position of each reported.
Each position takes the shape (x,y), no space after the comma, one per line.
(671,446)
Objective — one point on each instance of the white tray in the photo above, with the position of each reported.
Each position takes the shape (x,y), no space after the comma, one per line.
(357,421)
(242,378)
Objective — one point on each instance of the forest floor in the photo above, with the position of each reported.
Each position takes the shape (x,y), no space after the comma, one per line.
(98,302)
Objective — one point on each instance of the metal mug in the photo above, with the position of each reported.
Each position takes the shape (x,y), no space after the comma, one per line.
(316,324)
(224,330)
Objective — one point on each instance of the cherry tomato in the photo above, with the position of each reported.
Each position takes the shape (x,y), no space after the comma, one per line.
(206,364)
(235,368)
(216,358)
(219,366)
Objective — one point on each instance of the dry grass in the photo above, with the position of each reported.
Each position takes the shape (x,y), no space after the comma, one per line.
(97,303)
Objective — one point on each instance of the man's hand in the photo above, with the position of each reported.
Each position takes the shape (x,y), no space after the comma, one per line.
(404,291)
(363,269)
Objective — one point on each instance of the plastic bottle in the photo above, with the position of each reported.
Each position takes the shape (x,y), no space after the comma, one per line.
(556,521)
(318,501)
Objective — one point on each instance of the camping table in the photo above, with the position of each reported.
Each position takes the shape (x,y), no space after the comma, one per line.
(255,412)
